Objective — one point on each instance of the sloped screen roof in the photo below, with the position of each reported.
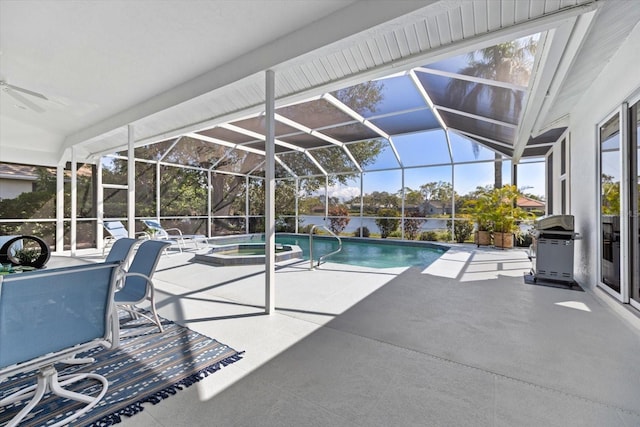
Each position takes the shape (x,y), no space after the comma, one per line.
(479,96)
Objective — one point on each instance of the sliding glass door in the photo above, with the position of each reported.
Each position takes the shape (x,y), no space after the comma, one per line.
(620,193)
(610,173)
(634,130)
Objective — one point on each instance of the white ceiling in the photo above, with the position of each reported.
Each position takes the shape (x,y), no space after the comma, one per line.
(177,66)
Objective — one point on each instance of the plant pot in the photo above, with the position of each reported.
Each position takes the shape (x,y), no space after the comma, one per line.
(482,238)
(41,251)
(503,240)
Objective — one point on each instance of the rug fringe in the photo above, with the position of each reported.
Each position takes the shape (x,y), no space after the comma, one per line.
(136,407)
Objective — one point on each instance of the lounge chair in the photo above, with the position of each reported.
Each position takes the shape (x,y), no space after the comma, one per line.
(46,317)
(174,234)
(116,232)
(137,281)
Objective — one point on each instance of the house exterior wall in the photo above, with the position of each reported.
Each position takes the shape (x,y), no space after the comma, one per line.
(615,85)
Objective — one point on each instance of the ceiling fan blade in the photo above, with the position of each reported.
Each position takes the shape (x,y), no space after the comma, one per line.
(28,92)
(23,100)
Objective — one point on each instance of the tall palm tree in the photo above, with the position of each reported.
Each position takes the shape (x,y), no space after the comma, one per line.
(506,62)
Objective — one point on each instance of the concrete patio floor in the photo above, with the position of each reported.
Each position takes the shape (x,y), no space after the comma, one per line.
(465,342)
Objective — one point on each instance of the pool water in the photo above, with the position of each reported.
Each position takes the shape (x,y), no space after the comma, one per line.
(255,250)
(365,253)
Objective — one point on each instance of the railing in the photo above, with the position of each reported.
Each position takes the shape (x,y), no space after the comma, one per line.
(325,255)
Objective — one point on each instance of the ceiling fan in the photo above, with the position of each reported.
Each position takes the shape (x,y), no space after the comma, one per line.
(17,93)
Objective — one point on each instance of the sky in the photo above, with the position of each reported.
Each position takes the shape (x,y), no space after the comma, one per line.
(430,148)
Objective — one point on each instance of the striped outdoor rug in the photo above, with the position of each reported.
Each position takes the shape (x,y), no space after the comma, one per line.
(149,366)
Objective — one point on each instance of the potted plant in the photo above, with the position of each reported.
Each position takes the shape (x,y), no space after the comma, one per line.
(480,210)
(27,256)
(505,215)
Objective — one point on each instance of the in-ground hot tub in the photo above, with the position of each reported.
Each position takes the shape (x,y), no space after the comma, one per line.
(246,254)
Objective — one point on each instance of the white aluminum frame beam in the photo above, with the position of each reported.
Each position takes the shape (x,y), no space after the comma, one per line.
(74,202)
(270,186)
(319,135)
(469,78)
(347,110)
(131,183)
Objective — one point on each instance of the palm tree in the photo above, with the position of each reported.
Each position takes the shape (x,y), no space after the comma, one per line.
(506,62)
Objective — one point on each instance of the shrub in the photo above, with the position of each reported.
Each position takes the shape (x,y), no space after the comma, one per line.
(429,236)
(285,224)
(389,223)
(462,229)
(338,218)
(396,234)
(305,229)
(444,236)
(365,232)
(412,225)
(524,240)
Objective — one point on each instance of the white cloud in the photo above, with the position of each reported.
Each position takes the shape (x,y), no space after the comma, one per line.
(341,192)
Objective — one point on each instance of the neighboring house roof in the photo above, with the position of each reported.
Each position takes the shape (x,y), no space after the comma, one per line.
(18,172)
(527,202)
(434,203)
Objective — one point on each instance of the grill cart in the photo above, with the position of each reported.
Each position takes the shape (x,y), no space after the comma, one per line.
(551,253)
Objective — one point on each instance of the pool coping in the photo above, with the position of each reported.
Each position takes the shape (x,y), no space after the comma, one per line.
(213,256)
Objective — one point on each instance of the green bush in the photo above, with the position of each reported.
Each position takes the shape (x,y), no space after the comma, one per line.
(365,232)
(285,224)
(412,224)
(305,229)
(524,240)
(445,236)
(396,234)
(462,229)
(429,236)
(390,223)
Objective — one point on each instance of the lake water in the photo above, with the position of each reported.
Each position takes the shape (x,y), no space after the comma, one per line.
(356,222)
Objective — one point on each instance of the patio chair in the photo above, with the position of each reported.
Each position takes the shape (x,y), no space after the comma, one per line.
(121,250)
(137,281)
(120,253)
(174,234)
(116,232)
(46,317)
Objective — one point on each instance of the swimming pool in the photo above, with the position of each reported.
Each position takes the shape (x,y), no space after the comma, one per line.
(362,252)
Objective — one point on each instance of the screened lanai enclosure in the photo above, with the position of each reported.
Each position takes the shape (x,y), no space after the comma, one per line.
(412,147)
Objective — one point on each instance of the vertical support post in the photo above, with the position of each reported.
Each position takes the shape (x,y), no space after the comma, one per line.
(453,186)
(453,202)
(131,184)
(99,205)
(361,201)
(297,181)
(60,206)
(270,226)
(402,212)
(158,201)
(326,198)
(246,205)
(209,202)
(74,201)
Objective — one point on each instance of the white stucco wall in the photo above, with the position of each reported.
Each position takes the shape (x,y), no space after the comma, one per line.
(616,84)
